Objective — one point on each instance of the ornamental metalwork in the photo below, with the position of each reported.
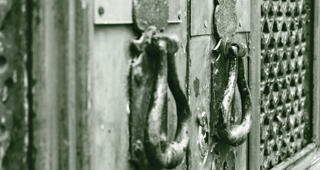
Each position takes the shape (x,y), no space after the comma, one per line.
(285,81)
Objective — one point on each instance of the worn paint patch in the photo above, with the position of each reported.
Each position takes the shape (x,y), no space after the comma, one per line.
(196,86)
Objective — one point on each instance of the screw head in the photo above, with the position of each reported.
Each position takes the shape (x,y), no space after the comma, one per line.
(101,10)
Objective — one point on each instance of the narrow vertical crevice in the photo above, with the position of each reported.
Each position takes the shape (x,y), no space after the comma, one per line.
(29,68)
(311,31)
(188,65)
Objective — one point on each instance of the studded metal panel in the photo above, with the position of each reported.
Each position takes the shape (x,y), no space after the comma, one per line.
(285,80)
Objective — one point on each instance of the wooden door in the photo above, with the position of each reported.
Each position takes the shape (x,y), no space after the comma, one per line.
(76,96)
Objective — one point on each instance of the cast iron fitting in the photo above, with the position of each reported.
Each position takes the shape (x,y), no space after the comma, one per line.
(161,153)
(235,134)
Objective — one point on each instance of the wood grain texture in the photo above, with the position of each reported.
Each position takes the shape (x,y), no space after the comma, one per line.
(303,159)
(244,14)
(202,17)
(108,102)
(200,83)
(254,84)
(59,76)
(316,72)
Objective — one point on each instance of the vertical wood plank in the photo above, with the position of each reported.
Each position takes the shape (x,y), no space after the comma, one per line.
(83,41)
(254,84)
(71,85)
(200,83)
(39,120)
(48,65)
(60,48)
(201,17)
(108,99)
(316,72)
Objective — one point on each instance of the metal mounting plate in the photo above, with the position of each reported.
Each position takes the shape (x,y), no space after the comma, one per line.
(120,11)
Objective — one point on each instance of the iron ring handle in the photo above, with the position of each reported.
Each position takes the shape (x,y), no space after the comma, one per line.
(235,134)
(161,153)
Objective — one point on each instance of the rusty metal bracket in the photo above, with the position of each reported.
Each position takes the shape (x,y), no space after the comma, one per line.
(234,134)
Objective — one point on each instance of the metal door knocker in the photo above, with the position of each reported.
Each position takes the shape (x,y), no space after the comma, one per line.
(153,70)
(234,134)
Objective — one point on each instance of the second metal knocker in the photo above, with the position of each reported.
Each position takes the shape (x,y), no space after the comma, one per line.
(234,134)
(160,152)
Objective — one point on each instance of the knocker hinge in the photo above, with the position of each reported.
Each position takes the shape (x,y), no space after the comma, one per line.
(229,49)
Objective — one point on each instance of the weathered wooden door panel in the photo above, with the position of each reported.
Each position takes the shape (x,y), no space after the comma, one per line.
(61,46)
(207,81)
(200,71)
(111,120)
(74,84)
(108,107)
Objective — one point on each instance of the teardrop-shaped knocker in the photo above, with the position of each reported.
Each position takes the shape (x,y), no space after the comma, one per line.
(160,152)
(234,134)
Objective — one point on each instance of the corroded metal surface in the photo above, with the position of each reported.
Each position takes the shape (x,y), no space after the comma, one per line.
(152,71)
(150,12)
(235,134)
(226,18)
(285,109)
